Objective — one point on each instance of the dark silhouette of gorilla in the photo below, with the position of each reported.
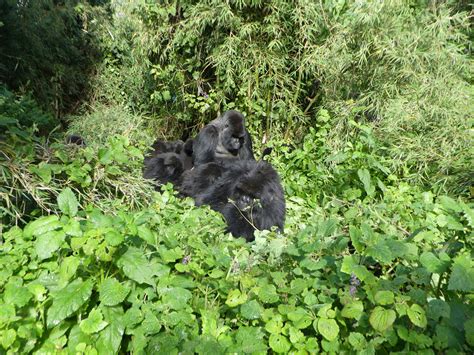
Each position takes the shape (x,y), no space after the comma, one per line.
(167,161)
(248,193)
(75,139)
(164,168)
(223,138)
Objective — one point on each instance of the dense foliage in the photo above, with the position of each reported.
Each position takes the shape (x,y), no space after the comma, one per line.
(368,107)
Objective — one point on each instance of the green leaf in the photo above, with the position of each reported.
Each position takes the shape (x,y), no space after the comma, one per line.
(353,310)
(48,243)
(417,315)
(146,234)
(279,343)
(462,276)
(93,323)
(251,310)
(268,294)
(67,202)
(357,341)
(111,337)
(16,294)
(235,298)
(381,319)
(73,228)
(132,317)
(136,266)
(380,252)
(111,292)
(384,297)
(432,263)
(364,176)
(469,331)
(176,297)
(274,325)
(300,318)
(438,308)
(7,338)
(68,267)
(40,226)
(449,204)
(69,300)
(328,328)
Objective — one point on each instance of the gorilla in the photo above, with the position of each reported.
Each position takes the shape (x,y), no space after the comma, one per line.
(164,168)
(167,161)
(75,139)
(248,194)
(223,138)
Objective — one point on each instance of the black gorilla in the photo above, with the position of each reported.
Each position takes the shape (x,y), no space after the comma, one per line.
(75,139)
(163,168)
(223,138)
(167,161)
(248,193)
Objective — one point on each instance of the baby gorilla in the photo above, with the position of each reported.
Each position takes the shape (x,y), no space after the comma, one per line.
(223,138)
(184,150)
(167,161)
(164,168)
(248,193)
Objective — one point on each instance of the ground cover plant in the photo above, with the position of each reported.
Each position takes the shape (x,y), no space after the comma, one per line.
(368,108)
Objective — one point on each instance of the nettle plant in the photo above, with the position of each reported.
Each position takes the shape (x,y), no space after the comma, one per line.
(392,275)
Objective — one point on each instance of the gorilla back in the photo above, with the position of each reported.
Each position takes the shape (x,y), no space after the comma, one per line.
(249,195)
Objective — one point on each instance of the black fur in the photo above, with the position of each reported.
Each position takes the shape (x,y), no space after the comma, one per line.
(182,150)
(75,139)
(163,168)
(248,193)
(223,138)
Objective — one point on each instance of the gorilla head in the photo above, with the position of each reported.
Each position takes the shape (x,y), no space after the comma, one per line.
(163,168)
(223,138)
(248,193)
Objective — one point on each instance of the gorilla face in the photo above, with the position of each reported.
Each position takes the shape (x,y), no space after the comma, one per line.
(223,138)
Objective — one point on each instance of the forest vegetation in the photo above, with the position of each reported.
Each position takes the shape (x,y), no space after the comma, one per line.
(368,106)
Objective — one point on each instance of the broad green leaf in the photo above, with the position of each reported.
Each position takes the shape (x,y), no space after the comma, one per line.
(296,335)
(176,297)
(112,292)
(132,317)
(16,294)
(328,328)
(274,325)
(93,323)
(469,331)
(68,267)
(73,228)
(46,244)
(114,238)
(279,343)
(384,297)
(380,252)
(357,341)
(462,275)
(250,340)
(431,262)
(110,337)
(67,202)
(449,204)
(235,298)
(40,226)
(146,234)
(7,338)
(438,308)
(417,315)
(364,176)
(69,300)
(251,310)
(353,310)
(356,238)
(268,294)
(381,319)
(300,318)
(136,266)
